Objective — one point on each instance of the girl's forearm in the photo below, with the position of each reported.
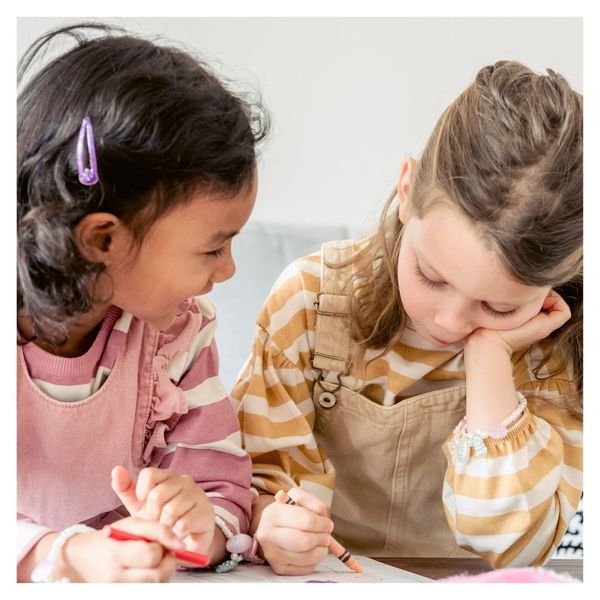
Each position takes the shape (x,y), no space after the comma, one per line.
(491,393)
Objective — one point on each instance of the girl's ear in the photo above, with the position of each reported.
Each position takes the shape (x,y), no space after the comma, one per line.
(98,237)
(404,186)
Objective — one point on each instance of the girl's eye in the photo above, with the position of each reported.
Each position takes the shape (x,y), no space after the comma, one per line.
(497,313)
(217,252)
(438,284)
(424,279)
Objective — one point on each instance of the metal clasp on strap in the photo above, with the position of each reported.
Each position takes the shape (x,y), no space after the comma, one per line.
(327,397)
(317,302)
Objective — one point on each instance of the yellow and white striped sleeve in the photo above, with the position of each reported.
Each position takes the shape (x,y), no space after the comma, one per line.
(274,391)
(513,505)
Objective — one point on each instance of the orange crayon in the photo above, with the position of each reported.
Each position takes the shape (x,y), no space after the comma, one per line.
(334,547)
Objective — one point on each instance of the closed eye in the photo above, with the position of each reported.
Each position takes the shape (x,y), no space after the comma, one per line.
(438,284)
(497,313)
(424,279)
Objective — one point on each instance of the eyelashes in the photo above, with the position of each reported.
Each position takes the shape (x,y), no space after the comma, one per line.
(424,279)
(496,313)
(216,252)
(438,284)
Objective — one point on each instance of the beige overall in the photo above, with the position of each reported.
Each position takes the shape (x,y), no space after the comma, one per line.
(388,459)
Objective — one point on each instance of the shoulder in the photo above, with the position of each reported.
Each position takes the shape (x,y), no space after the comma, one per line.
(294,290)
(300,282)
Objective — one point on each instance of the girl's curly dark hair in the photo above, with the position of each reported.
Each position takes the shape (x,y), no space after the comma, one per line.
(165,127)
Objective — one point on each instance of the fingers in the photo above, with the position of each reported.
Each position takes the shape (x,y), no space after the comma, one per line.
(294,539)
(554,301)
(176,501)
(161,503)
(144,555)
(297,541)
(284,562)
(303,498)
(149,478)
(199,520)
(297,517)
(123,486)
(177,513)
(151,530)
(171,499)
(162,573)
(555,312)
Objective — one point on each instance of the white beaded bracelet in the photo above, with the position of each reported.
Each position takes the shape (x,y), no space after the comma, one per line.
(43,572)
(240,546)
(462,442)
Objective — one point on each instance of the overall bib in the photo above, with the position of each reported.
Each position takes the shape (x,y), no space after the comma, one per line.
(66,450)
(388,459)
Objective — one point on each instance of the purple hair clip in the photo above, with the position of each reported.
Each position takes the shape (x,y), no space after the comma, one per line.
(87,175)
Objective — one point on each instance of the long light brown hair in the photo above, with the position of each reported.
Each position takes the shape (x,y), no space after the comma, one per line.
(508,152)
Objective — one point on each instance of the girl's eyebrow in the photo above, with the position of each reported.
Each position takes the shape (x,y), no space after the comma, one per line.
(221,236)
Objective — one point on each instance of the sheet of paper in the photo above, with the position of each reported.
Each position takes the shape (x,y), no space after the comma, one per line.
(331,570)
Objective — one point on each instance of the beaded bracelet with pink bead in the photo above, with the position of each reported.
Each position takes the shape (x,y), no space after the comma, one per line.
(462,442)
(240,547)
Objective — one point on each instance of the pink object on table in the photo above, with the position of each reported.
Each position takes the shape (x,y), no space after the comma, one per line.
(512,575)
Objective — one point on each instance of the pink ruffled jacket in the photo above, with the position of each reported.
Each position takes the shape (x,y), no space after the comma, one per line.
(156,400)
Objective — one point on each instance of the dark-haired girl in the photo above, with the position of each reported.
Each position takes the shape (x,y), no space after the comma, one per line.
(136,167)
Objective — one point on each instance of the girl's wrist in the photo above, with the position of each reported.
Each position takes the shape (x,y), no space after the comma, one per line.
(69,561)
(58,565)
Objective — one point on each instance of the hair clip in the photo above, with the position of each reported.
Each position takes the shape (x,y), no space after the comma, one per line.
(87,175)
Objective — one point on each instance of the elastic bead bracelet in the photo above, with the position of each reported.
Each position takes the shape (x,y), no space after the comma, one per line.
(462,442)
(43,572)
(240,547)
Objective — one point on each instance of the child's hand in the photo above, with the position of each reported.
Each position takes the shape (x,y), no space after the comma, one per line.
(555,312)
(172,499)
(295,539)
(95,557)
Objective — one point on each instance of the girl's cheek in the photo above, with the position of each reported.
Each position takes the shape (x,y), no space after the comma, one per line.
(414,300)
(511,323)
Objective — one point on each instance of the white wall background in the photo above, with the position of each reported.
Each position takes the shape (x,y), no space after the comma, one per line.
(350,97)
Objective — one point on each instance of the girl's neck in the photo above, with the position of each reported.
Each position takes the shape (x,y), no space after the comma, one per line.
(80,338)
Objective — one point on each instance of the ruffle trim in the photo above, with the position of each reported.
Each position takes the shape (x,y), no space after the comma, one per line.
(168,403)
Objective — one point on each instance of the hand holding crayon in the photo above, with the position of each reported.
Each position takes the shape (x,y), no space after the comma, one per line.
(334,547)
(200,560)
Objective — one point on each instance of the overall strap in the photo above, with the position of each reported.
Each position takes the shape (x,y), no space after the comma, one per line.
(333,341)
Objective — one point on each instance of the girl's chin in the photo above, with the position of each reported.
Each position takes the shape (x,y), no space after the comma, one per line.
(163,323)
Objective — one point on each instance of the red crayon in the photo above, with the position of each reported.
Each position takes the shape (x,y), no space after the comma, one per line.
(192,557)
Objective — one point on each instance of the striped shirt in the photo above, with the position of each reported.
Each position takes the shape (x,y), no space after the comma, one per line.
(511,507)
(202,439)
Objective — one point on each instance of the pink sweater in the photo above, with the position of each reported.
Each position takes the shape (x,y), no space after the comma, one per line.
(137,398)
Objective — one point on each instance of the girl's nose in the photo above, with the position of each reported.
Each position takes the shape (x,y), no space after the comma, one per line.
(456,322)
(225,268)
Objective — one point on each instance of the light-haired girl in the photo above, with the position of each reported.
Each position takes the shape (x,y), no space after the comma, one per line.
(136,167)
(426,382)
